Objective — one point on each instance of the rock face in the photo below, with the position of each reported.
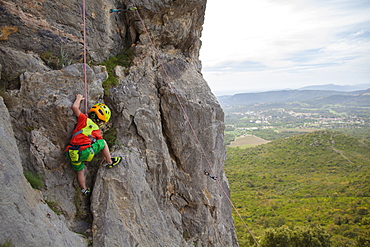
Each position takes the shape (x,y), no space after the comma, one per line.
(166,124)
(26,218)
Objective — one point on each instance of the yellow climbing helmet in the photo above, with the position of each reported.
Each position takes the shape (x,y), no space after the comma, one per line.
(102,111)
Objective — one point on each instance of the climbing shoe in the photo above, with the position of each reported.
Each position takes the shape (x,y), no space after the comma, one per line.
(116,161)
(86,191)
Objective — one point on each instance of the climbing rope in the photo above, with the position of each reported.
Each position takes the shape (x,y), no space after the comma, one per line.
(189,122)
(84,47)
(84,44)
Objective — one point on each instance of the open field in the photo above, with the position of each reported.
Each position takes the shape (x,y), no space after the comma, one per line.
(298,130)
(247,141)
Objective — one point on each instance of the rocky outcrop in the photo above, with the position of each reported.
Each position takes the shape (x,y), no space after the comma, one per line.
(159,195)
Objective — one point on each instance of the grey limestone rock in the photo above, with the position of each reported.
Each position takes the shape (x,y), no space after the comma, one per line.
(166,124)
(26,219)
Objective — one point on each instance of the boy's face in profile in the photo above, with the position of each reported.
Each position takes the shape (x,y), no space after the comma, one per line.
(100,123)
(96,120)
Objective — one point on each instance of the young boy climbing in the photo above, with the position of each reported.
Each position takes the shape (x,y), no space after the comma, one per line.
(87,139)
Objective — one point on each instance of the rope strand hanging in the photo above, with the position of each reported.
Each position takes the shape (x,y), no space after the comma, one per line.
(191,126)
(84,54)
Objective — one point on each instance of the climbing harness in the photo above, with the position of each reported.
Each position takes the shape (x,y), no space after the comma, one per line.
(119,10)
(87,130)
(75,150)
(207,174)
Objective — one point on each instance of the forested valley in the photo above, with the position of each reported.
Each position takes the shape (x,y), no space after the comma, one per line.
(315,185)
(309,183)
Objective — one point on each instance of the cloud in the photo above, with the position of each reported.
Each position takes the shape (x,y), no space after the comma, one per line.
(272,40)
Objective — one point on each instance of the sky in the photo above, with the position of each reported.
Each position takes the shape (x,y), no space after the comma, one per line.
(255,46)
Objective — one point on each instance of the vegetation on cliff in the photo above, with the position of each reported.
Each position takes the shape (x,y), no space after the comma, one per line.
(123,59)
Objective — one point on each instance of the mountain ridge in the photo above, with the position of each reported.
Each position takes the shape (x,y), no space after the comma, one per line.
(282,96)
(334,87)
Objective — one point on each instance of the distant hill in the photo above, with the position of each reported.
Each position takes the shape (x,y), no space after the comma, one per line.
(332,87)
(362,100)
(320,178)
(284,96)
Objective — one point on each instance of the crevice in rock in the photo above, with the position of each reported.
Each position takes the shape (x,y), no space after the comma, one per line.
(84,216)
(133,129)
(165,135)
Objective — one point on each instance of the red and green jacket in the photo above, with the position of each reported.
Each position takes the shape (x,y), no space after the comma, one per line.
(85,133)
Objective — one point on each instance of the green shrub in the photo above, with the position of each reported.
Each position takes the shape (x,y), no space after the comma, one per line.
(301,236)
(363,240)
(7,243)
(54,206)
(35,180)
(110,136)
(58,61)
(123,59)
